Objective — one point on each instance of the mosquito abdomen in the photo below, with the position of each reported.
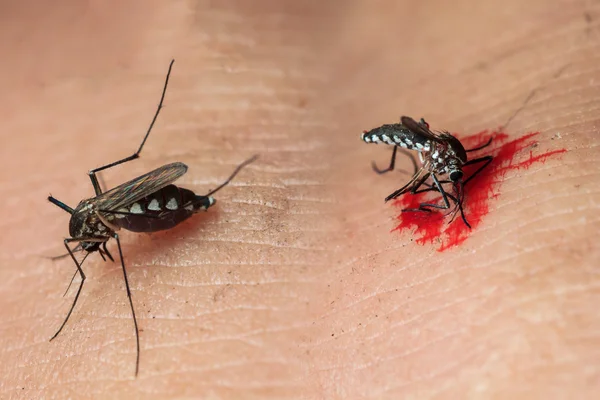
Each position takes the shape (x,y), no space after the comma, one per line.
(397,135)
(161,210)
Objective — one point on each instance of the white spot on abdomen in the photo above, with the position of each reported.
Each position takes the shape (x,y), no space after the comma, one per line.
(154,206)
(172,204)
(387,139)
(136,208)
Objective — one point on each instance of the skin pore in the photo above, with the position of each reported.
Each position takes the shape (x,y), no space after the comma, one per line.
(292,285)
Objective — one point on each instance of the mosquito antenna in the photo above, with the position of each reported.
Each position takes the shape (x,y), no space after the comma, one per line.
(60,204)
(235,172)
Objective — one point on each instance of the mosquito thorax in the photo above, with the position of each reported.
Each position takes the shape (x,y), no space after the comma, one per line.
(85,222)
(454,147)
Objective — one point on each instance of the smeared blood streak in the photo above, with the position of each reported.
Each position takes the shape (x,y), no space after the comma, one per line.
(434,227)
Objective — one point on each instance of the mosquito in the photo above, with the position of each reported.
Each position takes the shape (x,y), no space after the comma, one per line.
(148,203)
(440,154)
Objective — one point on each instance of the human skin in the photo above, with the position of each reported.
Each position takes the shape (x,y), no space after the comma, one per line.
(293,285)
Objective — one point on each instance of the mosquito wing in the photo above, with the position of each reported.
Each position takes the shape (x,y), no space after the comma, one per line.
(140,187)
(419,129)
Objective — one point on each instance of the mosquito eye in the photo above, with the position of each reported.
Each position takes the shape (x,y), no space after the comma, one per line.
(456,175)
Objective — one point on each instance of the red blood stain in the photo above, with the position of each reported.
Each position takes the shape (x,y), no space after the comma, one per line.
(434,226)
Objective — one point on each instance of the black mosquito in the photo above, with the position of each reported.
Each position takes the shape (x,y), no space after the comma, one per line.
(148,203)
(439,153)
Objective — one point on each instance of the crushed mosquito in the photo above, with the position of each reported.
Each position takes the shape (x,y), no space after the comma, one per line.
(148,203)
(440,153)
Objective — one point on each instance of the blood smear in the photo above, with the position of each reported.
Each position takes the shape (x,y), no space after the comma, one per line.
(433,227)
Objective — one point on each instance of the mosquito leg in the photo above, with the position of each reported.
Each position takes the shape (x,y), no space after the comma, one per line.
(460,198)
(137,333)
(486,160)
(67,241)
(54,258)
(482,146)
(233,174)
(444,197)
(135,155)
(460,207)
(388,169)
(432,188)
(451,197)
(415,188)
(393,161)
(70,283)
(75,249)
(406,187)
(107,252)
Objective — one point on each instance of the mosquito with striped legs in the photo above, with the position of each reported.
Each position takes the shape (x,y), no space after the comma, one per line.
(148,203)
(440,154)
